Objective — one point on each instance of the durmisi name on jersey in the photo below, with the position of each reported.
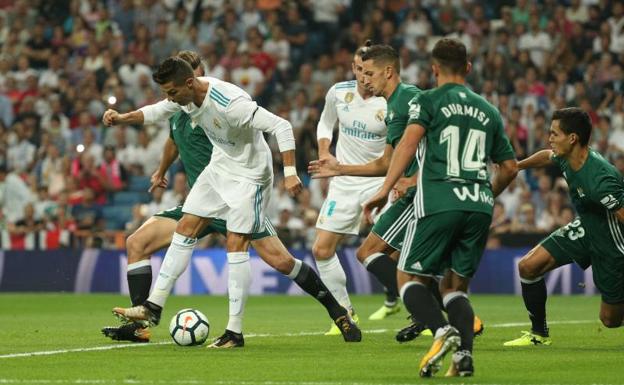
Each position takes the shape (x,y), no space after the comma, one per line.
(358,130)
(465,110)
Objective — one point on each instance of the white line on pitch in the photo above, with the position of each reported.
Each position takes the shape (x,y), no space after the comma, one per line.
(258,335)
(96,348)
(201,382)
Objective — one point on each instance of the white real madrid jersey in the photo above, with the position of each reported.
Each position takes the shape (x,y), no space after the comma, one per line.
(362,131)
(240,150)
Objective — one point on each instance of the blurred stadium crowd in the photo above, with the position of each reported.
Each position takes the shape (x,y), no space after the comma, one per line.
(67,180)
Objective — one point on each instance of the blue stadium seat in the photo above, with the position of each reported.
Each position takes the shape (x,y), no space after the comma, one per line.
(139,183)
(130,198)
(117,216)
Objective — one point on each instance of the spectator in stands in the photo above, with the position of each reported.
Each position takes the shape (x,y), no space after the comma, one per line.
(21,153)
(230,58)
(28,222)
(501,224)
(88,217)
(52,71)
(53,169)
(207,27)
(146,153)
(299,112)
(524,221)
(140,47)
(14,195)
(112,172)
(290,229)
(162,45)
(296,32)
(87,175)
(248,77)
(550,218)
(45,207)
(138,217)
(279,48)
(157,204)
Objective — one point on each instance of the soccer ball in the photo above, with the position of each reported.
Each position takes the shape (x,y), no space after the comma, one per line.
(189,327)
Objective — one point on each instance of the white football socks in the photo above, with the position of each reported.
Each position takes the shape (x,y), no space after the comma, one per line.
(333,276)
(239,282)
(176,260)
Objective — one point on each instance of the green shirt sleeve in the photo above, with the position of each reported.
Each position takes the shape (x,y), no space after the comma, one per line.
(172,120)
(395,130)
(610,191)
(420,111)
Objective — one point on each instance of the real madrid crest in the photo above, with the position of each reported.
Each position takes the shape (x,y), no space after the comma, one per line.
(216,123)
(380,115)
(349,97)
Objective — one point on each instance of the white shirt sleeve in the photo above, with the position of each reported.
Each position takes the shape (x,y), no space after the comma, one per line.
(243,111)
(329,116)
(159,111)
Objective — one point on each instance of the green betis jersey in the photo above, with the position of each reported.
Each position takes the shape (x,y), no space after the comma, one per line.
(597,192)
(397,116)
(193,145)
(462,133)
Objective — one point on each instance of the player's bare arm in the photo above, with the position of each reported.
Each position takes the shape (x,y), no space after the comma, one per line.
(507,171)
(403,156)
(619,214)
(266,121)
(325,168)
(539,159)
(401,186)
(112,118)
(323,148)
(170,154)
(291,180)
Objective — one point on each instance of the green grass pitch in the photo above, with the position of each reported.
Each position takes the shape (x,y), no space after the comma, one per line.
(285,345)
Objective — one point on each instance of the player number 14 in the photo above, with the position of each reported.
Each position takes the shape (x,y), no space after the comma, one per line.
(473,155)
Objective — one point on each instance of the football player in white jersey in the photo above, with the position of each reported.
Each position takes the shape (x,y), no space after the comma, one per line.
(362,138)
(156,233)
(235,186)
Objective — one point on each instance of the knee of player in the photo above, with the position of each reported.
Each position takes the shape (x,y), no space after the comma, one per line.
(134,247)
(187,226)
(284,265)
(527,269)
(322,252)
(609,321)
(362,253)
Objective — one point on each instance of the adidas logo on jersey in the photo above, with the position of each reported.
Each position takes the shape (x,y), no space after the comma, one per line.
(416,266)
(609,201)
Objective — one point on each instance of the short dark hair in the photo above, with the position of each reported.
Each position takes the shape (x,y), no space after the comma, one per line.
(573,120)
(191,57)
(384,54)
(360,51)
(451,55)
(173,69)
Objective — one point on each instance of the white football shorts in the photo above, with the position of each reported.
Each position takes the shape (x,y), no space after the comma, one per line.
(241,204)
(343,209)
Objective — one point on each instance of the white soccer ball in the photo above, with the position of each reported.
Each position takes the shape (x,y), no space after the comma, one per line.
(189,327)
